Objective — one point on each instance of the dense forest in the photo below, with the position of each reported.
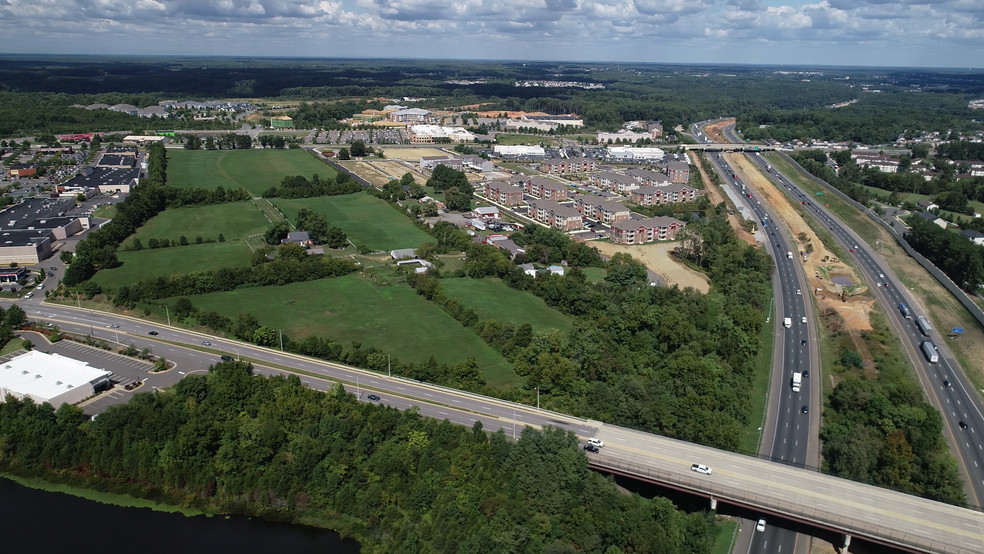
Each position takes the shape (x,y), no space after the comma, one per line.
(36,93)
(232,442)
(959,258)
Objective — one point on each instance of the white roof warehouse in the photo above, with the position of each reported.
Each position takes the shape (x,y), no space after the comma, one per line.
(49,378)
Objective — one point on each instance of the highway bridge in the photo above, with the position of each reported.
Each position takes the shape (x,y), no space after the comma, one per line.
(728,147)
(853,509)
(821,501)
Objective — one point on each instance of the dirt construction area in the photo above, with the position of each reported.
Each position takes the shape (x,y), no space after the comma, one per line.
(411,154)
(657,258)
(834,283)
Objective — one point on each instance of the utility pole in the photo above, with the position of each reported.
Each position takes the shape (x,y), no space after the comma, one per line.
(281,339)
(389,366)
(538,397)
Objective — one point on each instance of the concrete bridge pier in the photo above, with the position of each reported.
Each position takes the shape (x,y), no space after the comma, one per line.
(714,503)
(847,543)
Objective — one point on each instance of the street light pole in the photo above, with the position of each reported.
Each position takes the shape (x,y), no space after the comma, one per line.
(168,312)
(538,397)
(281,339)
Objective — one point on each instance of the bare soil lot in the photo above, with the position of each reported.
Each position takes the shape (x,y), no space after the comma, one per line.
(657,258)
(411,154)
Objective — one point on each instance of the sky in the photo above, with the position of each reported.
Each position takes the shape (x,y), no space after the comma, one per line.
(922,33)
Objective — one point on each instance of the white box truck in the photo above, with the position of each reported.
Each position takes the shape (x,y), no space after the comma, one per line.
(789,255)
(924,326)
(797,381)
(787,322)
(929,350)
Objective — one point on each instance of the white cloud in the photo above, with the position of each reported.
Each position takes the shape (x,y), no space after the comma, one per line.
(828,31)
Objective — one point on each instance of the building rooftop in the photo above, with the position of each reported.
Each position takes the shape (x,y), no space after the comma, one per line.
(44,376)
(108,176)
(26,214)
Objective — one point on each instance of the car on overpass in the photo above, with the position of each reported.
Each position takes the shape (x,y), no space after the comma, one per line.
(701,468)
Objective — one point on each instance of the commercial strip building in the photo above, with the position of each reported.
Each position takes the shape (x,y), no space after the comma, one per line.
(108,180)
(50,378)
(28,229)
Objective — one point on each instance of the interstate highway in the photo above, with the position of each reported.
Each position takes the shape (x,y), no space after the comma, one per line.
(957,402)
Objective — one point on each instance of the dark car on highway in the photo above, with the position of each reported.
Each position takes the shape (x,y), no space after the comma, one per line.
(591,448)
(373,397)
(227,358)
(154,333)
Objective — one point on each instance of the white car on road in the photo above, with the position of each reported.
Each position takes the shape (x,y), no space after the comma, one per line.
(700,468)
(597,442)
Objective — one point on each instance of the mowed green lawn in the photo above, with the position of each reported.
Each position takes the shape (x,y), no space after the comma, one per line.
(394,319)
(140,265)
(234,220)
(253,170)
(493,299)
(368,221)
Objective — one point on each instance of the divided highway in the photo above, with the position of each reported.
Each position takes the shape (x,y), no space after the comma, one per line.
(792,426)
(946,386)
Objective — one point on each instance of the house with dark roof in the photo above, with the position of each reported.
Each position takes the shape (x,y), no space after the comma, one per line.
(932,218)
(973,236)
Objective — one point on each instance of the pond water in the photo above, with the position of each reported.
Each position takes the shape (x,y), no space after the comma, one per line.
(40,521)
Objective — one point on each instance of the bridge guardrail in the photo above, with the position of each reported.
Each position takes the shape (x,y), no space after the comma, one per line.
(784,508)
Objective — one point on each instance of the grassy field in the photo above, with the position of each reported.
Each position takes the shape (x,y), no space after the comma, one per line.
(353,308)
(369,222)
(595,274)
(725,529)
(234,220)
(493,299)
(139,265)
(253,170)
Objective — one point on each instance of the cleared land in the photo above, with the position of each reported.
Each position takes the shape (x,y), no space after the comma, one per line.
(394,319)
(145,264)
(657,258)
(820,264)
(254,170)
(369,222)
(932,299)
(234,220)
(493,299)
(411,154)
